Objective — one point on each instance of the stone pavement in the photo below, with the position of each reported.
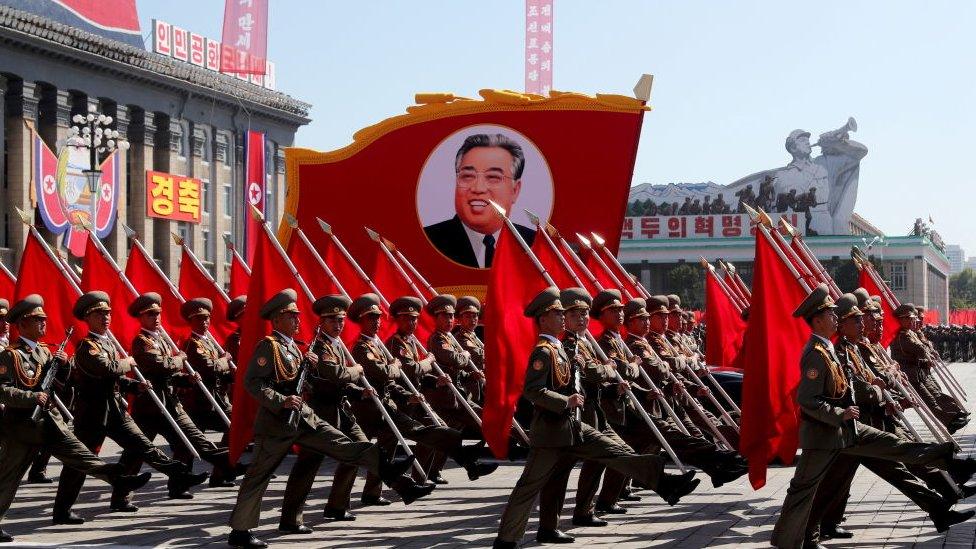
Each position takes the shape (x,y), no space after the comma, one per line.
(465,514)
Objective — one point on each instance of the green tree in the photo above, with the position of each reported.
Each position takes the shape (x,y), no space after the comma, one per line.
(962,290)
(688,282)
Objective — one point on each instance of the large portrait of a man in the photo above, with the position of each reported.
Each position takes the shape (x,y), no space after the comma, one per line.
(486,165)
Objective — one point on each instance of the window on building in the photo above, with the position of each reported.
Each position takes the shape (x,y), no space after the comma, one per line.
(208,254)
(899,275)
(228,201)
(205,196)
(183,229)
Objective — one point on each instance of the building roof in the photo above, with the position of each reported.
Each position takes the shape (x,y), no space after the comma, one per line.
(14,22)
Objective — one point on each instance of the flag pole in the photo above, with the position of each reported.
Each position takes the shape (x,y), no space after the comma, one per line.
(729,278)
(237,256)
(327,229)
(807,255)
(761,227)
(568,250)
(135,370)
(308,293)
(601,244)
(4,270)
(293,223)
(596,347)
(606,269)
(743,289)
(729,293)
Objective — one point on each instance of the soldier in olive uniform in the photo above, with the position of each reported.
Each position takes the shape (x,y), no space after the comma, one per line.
(456,362)
(553,386)
(24,365)
(213,365)
(101,410)
(384,373)
(162,364)
(829,426)
(234,311)
(915,360)
(869,392)
(271,378)
(4,323)
(334,381)
(468,315)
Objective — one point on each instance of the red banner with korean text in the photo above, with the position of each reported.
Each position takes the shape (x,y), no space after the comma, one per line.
(538,46)
(254,179)
(173,197)
(244,43)
(426,178)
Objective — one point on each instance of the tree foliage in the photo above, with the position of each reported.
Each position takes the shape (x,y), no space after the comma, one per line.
(962,290)
(688,282)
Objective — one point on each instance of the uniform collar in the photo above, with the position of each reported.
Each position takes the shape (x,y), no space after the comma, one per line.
(30,343)
(825,341)
(286,339)
(552,339)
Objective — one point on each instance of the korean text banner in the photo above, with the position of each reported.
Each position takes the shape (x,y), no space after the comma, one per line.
(424,179)
(173,197)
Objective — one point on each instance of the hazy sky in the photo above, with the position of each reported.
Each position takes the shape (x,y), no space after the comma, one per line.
(732,79)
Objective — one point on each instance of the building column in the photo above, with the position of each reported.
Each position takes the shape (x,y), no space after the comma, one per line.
(142,142)
(171,150)
(22,104)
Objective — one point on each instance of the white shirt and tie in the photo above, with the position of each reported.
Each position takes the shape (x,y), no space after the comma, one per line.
(481,243)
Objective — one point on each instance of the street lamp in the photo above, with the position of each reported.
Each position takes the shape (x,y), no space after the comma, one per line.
(93,132)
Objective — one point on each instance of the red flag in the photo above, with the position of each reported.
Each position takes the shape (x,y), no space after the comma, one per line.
(545,250)
(97,273)
(773,343)
(141,272)
(891,325)
(58,293)
(723,339)
(344,270)
(240,276)
(195,283)
(513,281)
(254,188)
(590,260)
(8,282)
(625,278)
(271,275)
(244,41)
(392,283)
(314,275)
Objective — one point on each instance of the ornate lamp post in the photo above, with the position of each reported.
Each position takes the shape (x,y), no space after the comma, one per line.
(92,131)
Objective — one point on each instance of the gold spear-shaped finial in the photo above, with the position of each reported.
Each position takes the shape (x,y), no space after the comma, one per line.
(705,264)
(753,214)
(598,239)
(178,239)
(326,228)
(257,214)
(501,211)
(533,218)
(290,220)
(24,218)
(765,219)
(553,233)
(373,234)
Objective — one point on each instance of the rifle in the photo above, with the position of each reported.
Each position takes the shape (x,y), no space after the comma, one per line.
(47,384)
(302,377)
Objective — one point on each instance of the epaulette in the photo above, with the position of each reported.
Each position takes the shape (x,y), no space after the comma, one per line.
(823,351)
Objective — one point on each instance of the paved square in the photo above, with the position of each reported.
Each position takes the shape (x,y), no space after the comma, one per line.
(465,514)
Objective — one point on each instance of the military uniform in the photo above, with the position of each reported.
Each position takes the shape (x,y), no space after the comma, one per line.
(24,365)
(233,342)
(208,360)
(823,395)
(475,386)
(271,377)
(156,358)
(101,410)
(556,431)
(333,384)
(383,374)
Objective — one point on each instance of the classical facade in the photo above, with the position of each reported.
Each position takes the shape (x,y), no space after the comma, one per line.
(179,118)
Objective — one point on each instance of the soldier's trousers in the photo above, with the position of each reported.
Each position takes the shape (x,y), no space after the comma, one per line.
(16,457)
(553,493)
(124,431)
(156,424)
(458,419)
(945,408)
(306,467)
(695,451)
(814,464)
(540,466)
(830,502)
(270,450)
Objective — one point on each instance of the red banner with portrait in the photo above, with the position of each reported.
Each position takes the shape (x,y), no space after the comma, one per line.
(425,178)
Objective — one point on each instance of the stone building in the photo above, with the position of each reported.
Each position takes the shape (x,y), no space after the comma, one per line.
(178,118)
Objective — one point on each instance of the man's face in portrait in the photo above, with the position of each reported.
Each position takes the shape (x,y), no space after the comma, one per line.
(485,173)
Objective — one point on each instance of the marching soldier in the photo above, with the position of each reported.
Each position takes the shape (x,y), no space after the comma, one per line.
(23,367)
(552,384)
(913,356)
(101,410)
(4,324)
(868,390)
(162,364)
(271,378)
(213,366)
(829,426)
(468,316)
(234,311)
(383,373)
(334,383)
